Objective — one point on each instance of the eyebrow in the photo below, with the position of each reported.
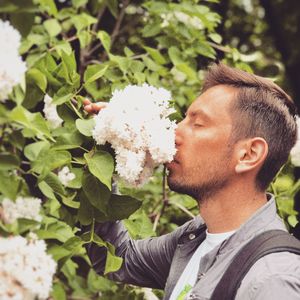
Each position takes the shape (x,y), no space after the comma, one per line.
(198,112)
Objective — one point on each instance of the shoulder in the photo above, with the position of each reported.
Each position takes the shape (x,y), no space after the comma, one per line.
(274,276)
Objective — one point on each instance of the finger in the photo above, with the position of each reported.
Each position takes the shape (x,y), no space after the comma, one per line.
(98,106)
(86,102)
(88,108)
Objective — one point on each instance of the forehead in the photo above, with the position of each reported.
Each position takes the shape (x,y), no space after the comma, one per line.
(214,103)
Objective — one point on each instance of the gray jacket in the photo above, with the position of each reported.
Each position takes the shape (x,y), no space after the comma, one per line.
(159,262)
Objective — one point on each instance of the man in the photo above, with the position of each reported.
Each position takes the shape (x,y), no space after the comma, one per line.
(232,142)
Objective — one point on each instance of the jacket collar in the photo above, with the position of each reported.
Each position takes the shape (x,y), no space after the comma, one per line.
(265,218)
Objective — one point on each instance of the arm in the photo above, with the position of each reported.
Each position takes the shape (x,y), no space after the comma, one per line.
(278,287)
(146,262)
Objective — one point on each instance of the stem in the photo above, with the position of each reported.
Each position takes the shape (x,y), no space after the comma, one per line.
(77,162)
(92,230)
(273,189)
(82,148)
(183,209)
(119,21)
(2,134)
(165,200)
(76,110)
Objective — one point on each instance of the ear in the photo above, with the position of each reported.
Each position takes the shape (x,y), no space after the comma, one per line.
(251,154)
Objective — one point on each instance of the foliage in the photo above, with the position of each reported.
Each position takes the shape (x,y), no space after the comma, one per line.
(78,49)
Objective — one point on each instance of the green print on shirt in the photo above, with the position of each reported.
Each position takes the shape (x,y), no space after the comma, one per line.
(184,292)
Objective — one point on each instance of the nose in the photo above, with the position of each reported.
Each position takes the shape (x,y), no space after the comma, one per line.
(179,133)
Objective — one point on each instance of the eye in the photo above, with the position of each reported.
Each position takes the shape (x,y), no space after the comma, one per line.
(198,125)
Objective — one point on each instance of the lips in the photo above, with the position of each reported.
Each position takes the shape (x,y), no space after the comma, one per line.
(172,163)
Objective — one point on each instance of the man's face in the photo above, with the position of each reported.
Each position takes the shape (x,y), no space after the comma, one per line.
(203,162)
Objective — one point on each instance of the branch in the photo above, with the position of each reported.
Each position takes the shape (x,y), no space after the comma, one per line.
(119,21)
(165,201)
(183,209)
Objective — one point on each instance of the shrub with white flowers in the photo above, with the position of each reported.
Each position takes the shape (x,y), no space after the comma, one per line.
(50,112)
(12,67)
(65,175)
(26,270)
(183,18)
(23,207)
(136,124)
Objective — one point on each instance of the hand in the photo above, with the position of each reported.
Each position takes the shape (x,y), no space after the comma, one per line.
(93,108)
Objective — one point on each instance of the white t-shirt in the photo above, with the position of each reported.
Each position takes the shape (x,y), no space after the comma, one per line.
(189,276)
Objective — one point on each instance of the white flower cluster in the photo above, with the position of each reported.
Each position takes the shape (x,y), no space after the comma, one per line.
(26,270)
(135,122)
(23,207)
(65,175)
(182,18)
(12,67)
(50,112)
(295,152)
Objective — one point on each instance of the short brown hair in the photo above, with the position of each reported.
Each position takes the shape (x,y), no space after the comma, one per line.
(261,109)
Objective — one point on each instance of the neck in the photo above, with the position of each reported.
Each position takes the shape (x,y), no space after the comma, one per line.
(228,209)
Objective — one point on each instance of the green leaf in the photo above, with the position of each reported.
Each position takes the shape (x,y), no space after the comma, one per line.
(82,21)
(57,230)
(98,283)
(49,160)
(105,40)
(175,55)
(128,52)
(205,49)
(9,161)
(48,6)
(47,191)
(188,71)
(22,22)
(215,37)
(85,37)
(76,183)
(32,121)
(58,100)
(68,201)
(79,3)
(121,207)
(53,27)
(52,206)
(85,127)
(113,263)
(38,78)
(101,165)
(58,292)
(17,6)
(16,138)
(33,150)
(85,212)
(26,225)
(34,86)
(94,72)
(96,192)
(139,225)
(113,7)
(155,54)
(122,62)
(63,46)
(54,183)
(9,185)
(151,29)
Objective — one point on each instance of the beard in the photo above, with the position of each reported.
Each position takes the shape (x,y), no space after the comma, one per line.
(199,192)
(209,182)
